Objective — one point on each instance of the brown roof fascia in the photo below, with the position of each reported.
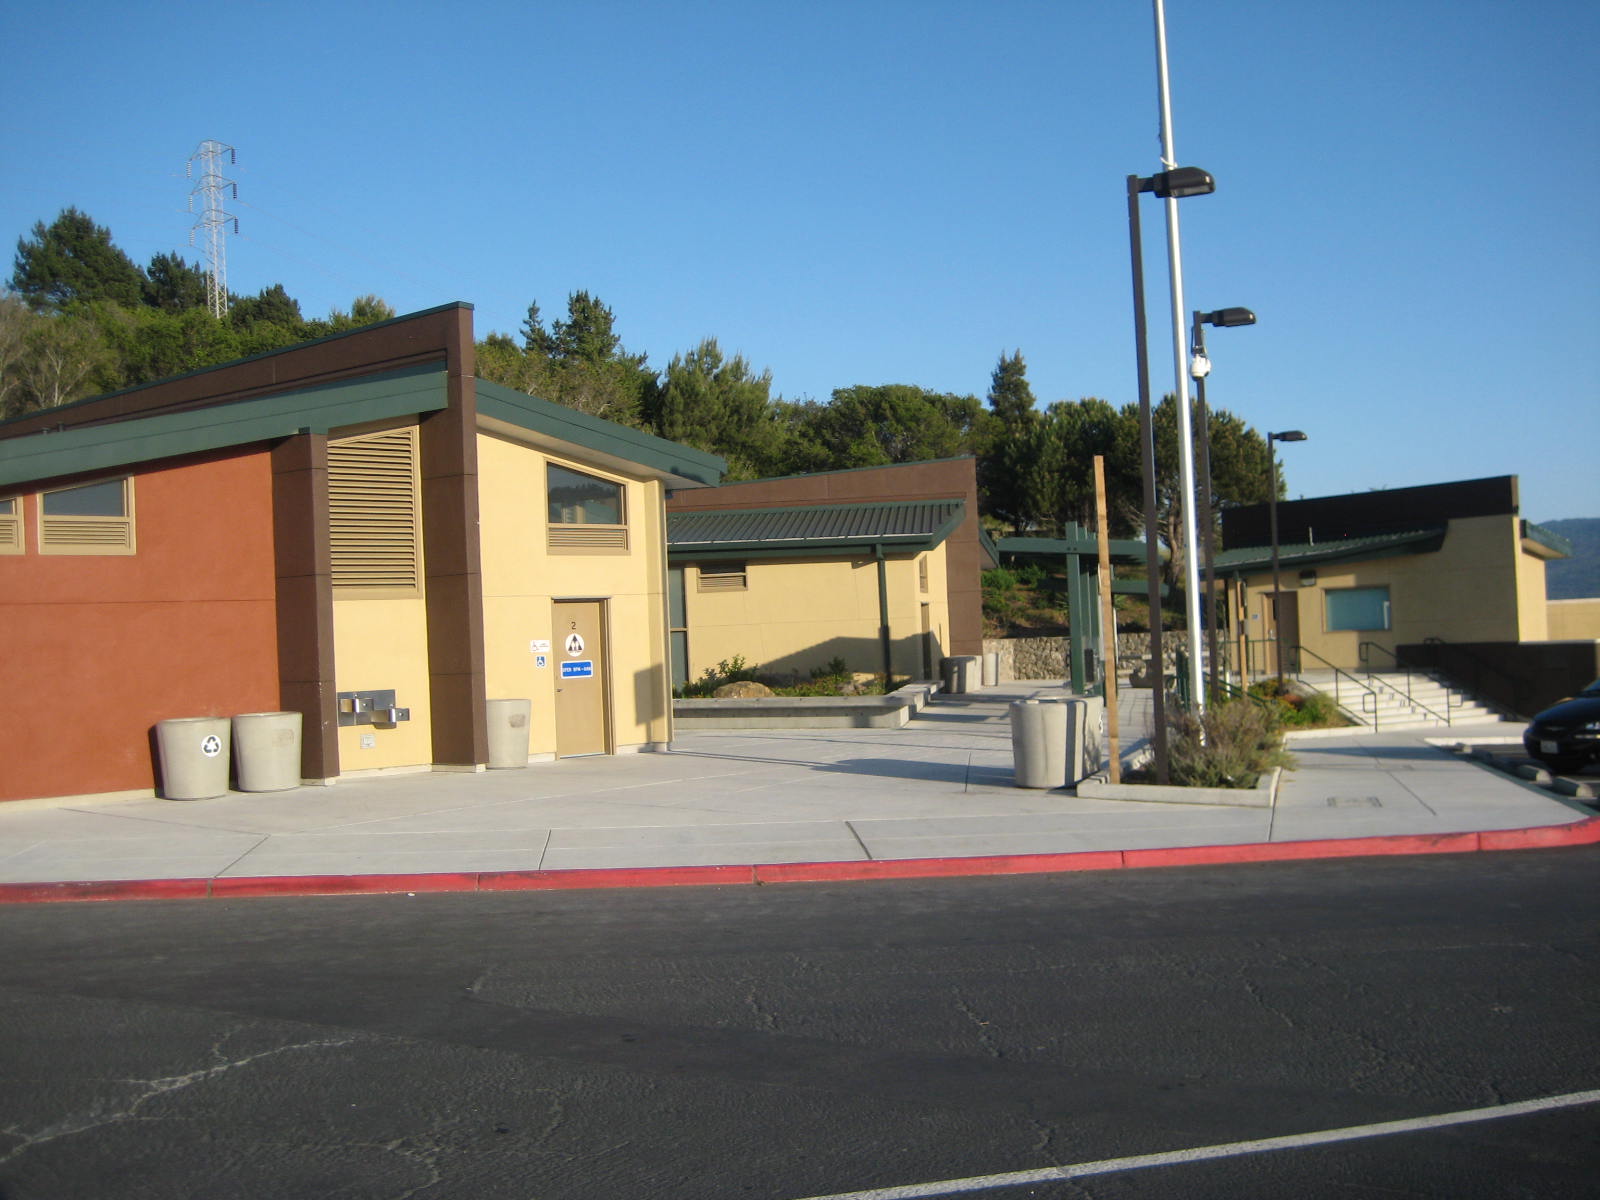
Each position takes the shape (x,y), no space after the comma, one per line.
(428,336)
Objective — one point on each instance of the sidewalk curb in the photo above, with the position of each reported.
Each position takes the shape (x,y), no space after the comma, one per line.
(1578,833)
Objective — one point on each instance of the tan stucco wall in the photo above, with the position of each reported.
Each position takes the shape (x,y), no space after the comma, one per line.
(1478,587)
(522,580)
(382,642)
(798,614)
(1574,619)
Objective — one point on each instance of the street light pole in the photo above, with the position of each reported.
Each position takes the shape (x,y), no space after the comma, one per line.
(1200,368)
(1288,435)
(1180,391)
(1174,184)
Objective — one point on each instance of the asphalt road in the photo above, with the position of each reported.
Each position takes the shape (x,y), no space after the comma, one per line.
(814,1040)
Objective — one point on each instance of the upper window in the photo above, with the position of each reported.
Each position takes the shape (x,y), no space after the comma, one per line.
(577,499)
(587,513)
(1358,609)
(10,526)
(94,518)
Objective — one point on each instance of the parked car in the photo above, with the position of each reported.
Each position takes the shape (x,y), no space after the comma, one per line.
(1567,736)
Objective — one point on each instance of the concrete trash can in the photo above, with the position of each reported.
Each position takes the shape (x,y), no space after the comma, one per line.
(991,668)
(508,733)
(194,757)
(266,748)
(1039,743)
(960,673)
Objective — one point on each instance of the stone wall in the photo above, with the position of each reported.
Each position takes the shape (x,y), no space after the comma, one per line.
(1046,657)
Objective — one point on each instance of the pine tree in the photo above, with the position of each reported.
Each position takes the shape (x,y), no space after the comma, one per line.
(71,261)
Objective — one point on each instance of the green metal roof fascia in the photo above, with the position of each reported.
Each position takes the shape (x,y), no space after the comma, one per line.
(990,551)
(733,552)
(415,389)
(607,437)
(1120,547)
(234,362)
(1248,560)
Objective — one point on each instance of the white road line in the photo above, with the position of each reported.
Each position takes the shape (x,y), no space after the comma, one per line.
(1294,1141)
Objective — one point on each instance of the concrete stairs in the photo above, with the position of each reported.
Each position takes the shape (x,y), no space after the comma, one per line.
(1396,700)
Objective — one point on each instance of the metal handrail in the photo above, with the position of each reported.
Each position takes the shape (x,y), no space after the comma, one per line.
(1513,688)
(1368,695)
(1412,701)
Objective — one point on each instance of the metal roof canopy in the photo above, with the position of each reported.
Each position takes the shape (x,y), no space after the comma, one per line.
(831,530)
(1248,560)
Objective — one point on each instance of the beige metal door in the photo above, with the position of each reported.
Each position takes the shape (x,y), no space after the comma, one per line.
(582,680)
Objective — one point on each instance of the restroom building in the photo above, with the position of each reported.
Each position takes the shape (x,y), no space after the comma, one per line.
(356,529)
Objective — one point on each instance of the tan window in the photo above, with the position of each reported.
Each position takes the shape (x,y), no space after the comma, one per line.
(373,511)
(10,526)
(723,577)
(922,573)
(587,514)
(93,518)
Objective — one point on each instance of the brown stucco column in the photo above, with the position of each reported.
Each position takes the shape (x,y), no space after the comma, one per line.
(305,598)
(450,550)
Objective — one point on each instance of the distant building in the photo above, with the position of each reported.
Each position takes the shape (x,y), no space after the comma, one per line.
(1444,573)
(878,567)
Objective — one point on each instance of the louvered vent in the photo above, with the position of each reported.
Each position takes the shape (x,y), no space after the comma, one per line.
(588,537)
(10,534)
(105,535)
(373,510)
(722,579)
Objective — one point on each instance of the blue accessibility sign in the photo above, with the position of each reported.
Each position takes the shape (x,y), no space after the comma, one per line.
(582,668)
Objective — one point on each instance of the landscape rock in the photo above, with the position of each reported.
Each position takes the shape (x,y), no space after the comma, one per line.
(743,689)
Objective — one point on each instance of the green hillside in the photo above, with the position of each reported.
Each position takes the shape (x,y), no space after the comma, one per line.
(1578,576)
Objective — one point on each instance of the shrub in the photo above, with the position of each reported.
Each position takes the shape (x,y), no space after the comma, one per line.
(1232,745)
(729,670)
(1314,711)
(1001,579)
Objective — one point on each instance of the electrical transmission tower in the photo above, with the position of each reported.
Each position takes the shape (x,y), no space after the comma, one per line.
(213,222)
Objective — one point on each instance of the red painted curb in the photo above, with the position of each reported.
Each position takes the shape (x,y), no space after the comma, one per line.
(1189,856)
(232,887)
(107,889)
(1578,833)
(928,868)
(612,877)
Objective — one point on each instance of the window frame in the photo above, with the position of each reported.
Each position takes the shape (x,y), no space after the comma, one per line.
(62,533)
(1328,604)
(13,534)
(586,537)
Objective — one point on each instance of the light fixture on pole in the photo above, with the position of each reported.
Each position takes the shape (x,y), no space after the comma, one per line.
(1199,368)
(1288,435)
(1176,184)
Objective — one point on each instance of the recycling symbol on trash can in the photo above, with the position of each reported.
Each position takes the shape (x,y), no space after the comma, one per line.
(212,746)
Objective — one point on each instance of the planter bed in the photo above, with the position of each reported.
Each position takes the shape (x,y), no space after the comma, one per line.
(806,712)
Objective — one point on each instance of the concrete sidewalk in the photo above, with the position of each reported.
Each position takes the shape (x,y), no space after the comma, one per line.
(934,797)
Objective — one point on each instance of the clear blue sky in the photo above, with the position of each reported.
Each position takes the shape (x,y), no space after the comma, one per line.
(897,192)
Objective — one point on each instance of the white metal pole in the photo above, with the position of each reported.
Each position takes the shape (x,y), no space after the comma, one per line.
(1180,360)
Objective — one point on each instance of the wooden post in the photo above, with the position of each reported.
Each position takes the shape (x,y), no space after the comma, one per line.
(1108,623)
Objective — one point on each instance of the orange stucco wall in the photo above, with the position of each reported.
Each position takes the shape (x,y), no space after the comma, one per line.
(98,648)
